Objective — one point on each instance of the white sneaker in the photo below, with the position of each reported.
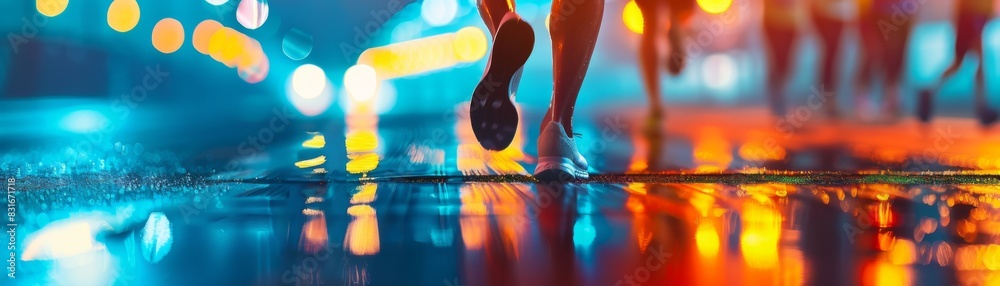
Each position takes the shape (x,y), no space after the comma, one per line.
(558,158)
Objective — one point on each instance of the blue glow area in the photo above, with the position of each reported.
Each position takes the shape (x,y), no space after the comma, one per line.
(83,121)
(932,50)
(584,232)
(157,237)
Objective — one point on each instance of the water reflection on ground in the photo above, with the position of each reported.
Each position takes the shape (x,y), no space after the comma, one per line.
(382,233)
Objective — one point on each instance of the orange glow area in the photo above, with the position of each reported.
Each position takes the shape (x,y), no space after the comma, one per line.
(903,252)
(479,200)
(881,273)
(886,240)
(761,234)
(473,231)
(123,15)
(422,55)
(760,152)
(473,221)
(715,6)
(712,153)
(168,35)
(202,35)
(315,236)
(978,257)
(365,194)
(884,215)
(707,239)
(635,205)
(632,16)
(636,188)
(768,190)
(793,267)
(473,159)
(968,147)
(362,236)
(225,45)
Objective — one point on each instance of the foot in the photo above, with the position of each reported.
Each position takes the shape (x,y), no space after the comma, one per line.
(925,108)
(558,158)
(493,115)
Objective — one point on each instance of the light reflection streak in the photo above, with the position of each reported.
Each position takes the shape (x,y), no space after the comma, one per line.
(362,139)
(315,236)
(473,159)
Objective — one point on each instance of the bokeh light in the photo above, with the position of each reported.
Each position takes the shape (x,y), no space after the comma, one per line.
(425,54)
(123,15)
(217,2)
(470,44)
(83,121)
(255,73)
(168,35)
(438,12)
(308,81)
(719,71)
(361,82)
(226,45)
(51,8)
(584,232)
(632,17)
(315,105)
(203,35)
(252,13)
(297,44)
(715,6)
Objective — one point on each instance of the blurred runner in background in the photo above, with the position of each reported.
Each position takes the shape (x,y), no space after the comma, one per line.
(781,30)
(970,19)
(885,27)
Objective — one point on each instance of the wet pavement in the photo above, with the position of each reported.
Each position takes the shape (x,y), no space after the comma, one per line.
(728,197)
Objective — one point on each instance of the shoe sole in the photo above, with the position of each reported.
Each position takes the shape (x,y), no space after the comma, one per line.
(559,169)
(493,115)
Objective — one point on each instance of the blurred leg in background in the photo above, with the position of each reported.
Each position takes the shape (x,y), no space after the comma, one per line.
(680,14)
(883,53)
(829,18)
(781,32)
(653,16)
(970,20)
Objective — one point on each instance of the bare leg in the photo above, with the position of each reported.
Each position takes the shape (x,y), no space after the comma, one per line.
(779,46)
(830,32)
(649,56)
(493,11)
(574,28)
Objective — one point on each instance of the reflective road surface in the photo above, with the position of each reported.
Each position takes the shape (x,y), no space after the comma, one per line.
(726,202)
